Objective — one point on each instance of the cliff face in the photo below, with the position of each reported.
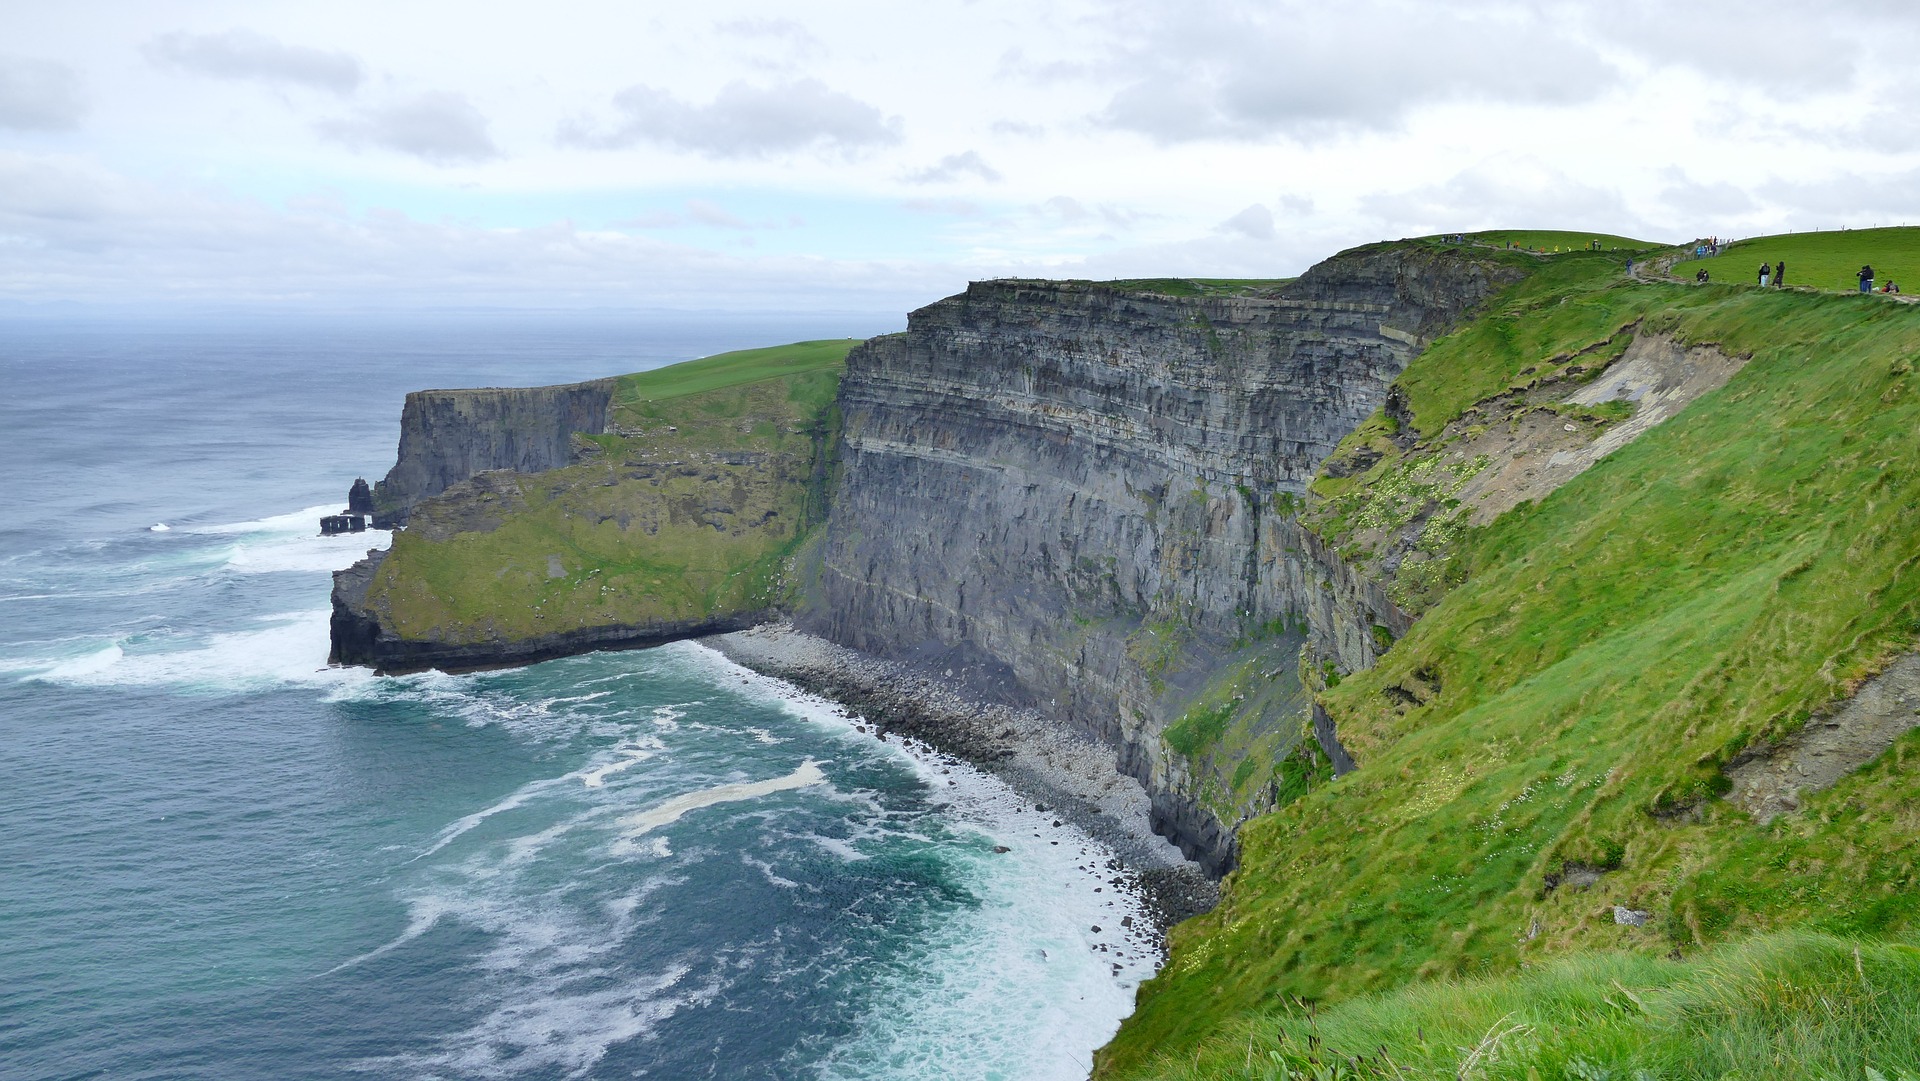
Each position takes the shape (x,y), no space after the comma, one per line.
(680,519)
(1080,496)
(447,436)
(1069,495)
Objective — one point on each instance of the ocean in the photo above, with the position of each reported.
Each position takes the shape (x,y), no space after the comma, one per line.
(222,859)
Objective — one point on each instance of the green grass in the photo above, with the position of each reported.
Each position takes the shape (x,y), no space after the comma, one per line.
(1829,260)
(1702,589)
(733,369)
(1569,305)
(711,480)
(1791,1007)
(1558,240)
(1198,287)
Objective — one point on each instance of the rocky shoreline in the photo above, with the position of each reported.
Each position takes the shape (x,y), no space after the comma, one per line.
(1062,771)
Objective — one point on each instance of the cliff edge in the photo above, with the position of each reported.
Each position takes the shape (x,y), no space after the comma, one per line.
(679,513)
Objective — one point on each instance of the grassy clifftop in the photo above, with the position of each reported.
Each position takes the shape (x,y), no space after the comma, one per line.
(1544,755)
(709,477)
(1829,261)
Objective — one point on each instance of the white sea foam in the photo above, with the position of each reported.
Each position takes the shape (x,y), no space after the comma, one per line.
(159,527)
(566,1025)
(1016,984)
(459,827)
(642,822)
(282,648)
(628,757)
(299,521)
(290,542)
(287,648)
(1027,957)
(1019,987)
(561,986)
(420,920)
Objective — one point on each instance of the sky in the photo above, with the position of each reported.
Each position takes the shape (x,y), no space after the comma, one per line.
(854,156)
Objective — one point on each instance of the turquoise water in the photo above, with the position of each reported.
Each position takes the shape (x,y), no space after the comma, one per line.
(223,859)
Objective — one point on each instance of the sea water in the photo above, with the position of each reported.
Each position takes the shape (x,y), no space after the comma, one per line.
(221,858)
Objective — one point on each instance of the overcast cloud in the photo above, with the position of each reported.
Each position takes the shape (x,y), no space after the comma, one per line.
(756,154)
(968,165)
(39,95)
(742,121)
(243,54)
(1315,71)
(441,128)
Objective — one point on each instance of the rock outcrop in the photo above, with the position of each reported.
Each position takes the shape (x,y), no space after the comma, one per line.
(678,522)
(1079,496)
(447,436)
(1769,781)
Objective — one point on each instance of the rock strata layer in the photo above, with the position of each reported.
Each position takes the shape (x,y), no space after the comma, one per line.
(1079,496)
(447,436)
(1040,758)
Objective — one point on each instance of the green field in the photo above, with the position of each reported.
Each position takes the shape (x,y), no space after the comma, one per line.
(1707,587)
(1791,1007)
(732,369)
(711,477)
(1198,287)
(1556,240)
(1830,260)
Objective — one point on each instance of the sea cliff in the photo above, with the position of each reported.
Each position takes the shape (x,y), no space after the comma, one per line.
(664,506)
(1079,495)
(1071,496)
(447,436)
(1595,589)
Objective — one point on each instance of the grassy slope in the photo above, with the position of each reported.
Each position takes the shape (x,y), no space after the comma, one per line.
(1706,586)
(1198,287)
(1821,260)
(655,529)
(1791,1007)
(1561,240)
(822,359)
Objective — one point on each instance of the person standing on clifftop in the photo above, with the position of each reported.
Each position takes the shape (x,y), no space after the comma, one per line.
(1780,274)
(1765,272)
(1866,278)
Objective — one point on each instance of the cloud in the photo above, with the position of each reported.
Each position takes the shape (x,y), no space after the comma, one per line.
(954,167)
(441,128)
(76,230)
(1849,199)
(743,121)
(1018,128)
(1254,223)
(243,54)
(1506,194)
(709,213)
(39,95)
(1315,71)
(1781,46)
(702,212)
(652,219)
(798,39)
(953,208)
(1701,201)
(1066,208)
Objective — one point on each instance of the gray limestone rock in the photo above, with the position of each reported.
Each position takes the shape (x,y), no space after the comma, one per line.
(1079,493)
(447,436)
